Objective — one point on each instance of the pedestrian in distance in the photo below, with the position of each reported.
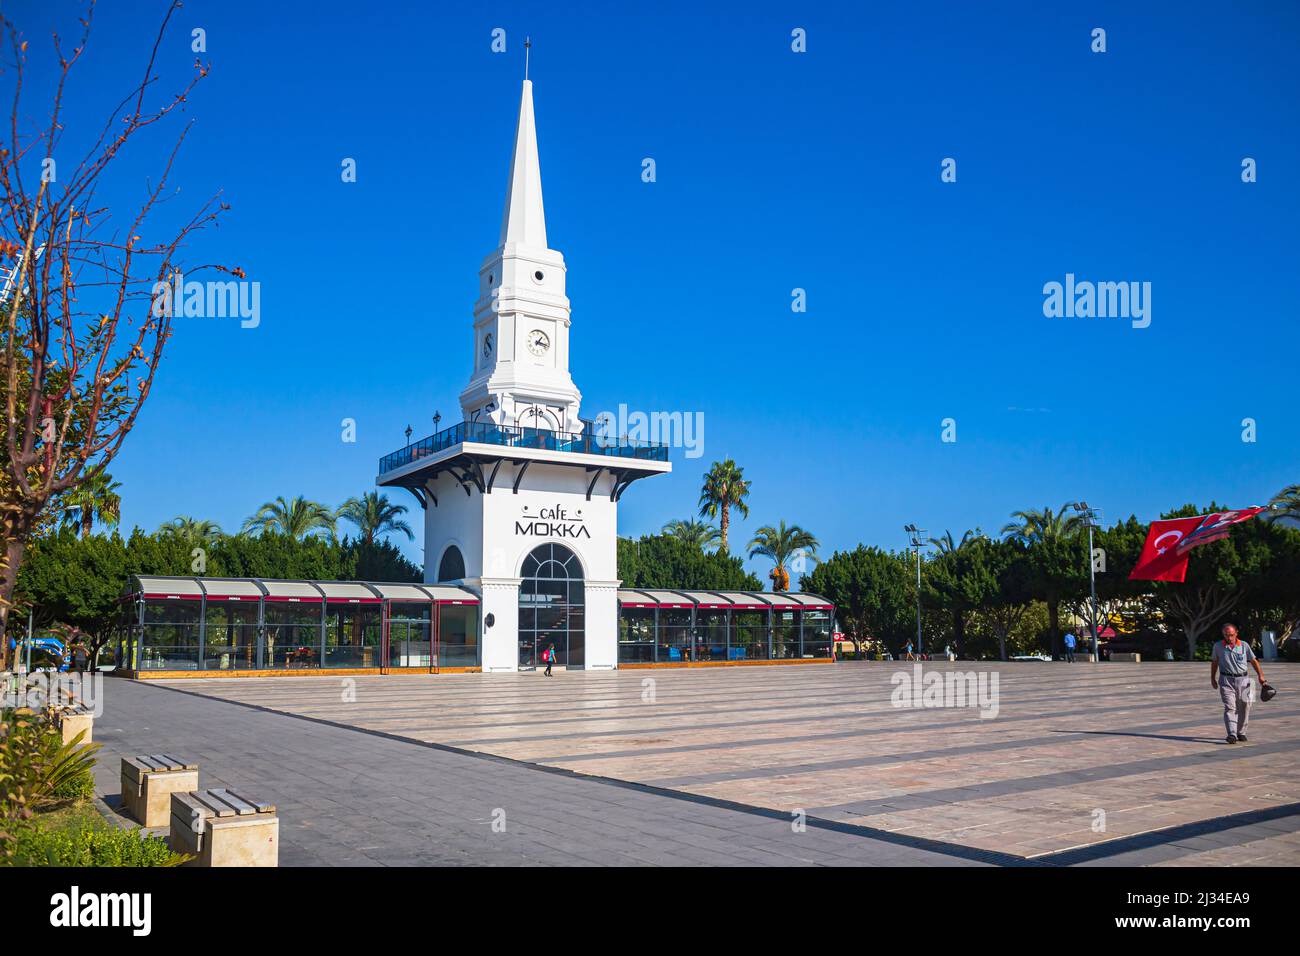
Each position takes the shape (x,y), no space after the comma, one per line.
(1229,675)
(1069,646)
(548,656)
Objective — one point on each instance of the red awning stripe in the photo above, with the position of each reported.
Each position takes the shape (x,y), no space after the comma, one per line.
(736,607)
(251,599)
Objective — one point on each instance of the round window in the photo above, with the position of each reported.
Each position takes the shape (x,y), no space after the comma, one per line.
(538,276)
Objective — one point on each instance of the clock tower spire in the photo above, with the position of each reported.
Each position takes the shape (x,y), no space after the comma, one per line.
(521,320)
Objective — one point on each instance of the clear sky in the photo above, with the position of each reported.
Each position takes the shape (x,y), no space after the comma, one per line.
(776,170)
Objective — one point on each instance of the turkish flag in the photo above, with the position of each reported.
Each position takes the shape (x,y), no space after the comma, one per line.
(1216,527)
(1160,560)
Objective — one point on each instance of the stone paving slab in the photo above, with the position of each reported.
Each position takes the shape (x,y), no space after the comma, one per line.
(1141,743)
(347,797)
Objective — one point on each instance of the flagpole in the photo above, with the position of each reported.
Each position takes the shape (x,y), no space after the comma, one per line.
(1088,515)
(1092,586)
(918,541)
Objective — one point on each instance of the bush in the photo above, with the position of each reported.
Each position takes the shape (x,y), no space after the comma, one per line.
(35,762)
(79,786)
(85,844)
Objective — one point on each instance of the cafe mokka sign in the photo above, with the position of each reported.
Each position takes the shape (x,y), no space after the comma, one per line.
(556,522)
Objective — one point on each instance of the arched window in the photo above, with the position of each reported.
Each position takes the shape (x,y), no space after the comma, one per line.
(452,565)
(551,607)
(539,417)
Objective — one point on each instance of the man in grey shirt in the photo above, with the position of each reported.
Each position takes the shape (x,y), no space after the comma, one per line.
(1229,674)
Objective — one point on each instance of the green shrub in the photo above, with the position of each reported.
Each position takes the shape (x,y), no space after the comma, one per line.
(38,771)
(78,786)
(35,761)
(88,845)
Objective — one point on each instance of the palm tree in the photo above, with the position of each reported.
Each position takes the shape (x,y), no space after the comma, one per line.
(698,533)
(1033,526)
(95,499)
(724,488)
(780,545)
(298,518)
(192,529)
(374,516)
(1048,528)
(946,544)
(1287,503)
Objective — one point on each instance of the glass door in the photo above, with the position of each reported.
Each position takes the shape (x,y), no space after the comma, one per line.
(551,608)
(409,643)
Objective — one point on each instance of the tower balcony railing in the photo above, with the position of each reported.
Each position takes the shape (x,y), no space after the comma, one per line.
(519,436)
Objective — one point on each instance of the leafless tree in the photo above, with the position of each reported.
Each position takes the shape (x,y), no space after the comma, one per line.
(82,340)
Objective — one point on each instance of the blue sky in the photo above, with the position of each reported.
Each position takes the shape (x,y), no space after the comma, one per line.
(775,171)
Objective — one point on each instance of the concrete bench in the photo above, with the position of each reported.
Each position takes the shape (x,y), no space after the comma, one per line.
(73,722)
(148,783)
(1127,658)
(223,828)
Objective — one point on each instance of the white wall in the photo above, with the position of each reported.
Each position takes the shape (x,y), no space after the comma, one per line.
(495,532)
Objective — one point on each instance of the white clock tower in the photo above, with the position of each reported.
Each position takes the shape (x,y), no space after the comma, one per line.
(520,501)
(521,320)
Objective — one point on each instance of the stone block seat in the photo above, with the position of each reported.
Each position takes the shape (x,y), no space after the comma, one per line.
(148,782)
(220,827)
(75,721)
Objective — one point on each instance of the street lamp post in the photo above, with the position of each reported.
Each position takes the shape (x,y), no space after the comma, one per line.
(918,542)
(1089,520)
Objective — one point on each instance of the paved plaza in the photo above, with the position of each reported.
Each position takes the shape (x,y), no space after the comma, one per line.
(1111,764)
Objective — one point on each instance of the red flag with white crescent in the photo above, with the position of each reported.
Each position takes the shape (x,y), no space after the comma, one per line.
(1160,560)
(1164,555)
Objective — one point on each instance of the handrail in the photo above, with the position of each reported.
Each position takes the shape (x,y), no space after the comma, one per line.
(519,436)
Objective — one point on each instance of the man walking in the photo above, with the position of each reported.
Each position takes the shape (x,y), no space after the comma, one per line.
(1229,675)
(1069,646)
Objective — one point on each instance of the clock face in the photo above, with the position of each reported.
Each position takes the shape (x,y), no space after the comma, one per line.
(487,345)
(538,342)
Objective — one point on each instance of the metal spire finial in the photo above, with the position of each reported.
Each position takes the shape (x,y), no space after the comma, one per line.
(528,44)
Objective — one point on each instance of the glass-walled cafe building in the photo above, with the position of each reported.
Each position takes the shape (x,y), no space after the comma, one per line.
(678,627)
(249,626)
(239,625)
